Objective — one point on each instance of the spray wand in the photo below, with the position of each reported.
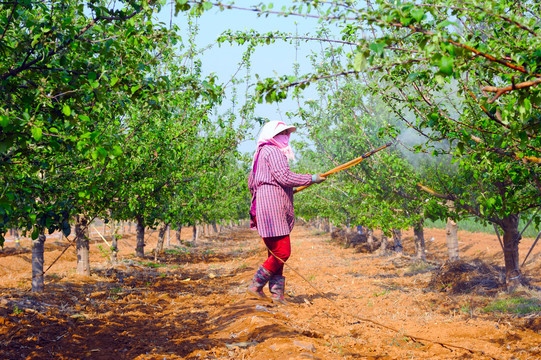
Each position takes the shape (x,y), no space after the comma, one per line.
(348,164)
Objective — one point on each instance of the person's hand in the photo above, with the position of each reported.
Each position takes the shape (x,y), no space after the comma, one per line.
(318,178)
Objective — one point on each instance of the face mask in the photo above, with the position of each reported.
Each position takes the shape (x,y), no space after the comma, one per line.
(282,139)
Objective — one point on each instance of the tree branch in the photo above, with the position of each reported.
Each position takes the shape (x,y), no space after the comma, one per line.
(24,66)
(500,91)
(457,44)
(9,20)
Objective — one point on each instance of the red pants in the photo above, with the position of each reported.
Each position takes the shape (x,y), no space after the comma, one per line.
(281,247)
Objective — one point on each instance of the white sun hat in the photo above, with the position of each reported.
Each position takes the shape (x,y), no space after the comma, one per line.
(273,128)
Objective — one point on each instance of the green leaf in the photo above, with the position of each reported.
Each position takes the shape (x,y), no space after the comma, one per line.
(66,228)
(35,41)
(117,150)
(439,79)
(207,5)
(113,81)
(37,133)
(135,88)
(446,23)
(66,110)
(102,152)
(4,120)
(360,62)
(418,14)
(446,65)
(377,48)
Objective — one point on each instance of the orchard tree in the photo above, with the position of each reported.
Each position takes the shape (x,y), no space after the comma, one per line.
(442,62)
(381,192)
(469,71)
(63,66)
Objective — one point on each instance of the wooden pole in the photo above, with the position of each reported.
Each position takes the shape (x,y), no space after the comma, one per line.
(533,245)
(348,164)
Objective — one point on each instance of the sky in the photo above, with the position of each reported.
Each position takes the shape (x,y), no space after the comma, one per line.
(267,61)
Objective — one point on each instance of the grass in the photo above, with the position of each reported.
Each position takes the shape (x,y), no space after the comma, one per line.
(104,252)
(152,264)
(466,309)
(116,290)
(514,305)
(472,226)
(177,251)
(384,292)
(418,267)
(17,311)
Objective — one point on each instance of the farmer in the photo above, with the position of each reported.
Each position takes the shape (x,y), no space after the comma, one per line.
(271,184)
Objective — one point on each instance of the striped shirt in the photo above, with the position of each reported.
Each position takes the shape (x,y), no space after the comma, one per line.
(272,189)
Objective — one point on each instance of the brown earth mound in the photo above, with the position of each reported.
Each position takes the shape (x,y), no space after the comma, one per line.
(356,240)
(461,277)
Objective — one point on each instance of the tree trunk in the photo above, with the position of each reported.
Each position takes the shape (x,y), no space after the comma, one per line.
(114,243)
(319,224)
(384,244)
(451,232)
(129,227)
(140,228)
(83,246)
(179,229)
(195,233)
(201,230)
(38,246)
(370,239)
(215,228)
(159,244)
(346,236)
(168,238)
(17,239)
(397,239)
(419,239)
(511,240)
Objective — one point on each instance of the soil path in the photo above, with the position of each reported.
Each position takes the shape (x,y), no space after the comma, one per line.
(192,304)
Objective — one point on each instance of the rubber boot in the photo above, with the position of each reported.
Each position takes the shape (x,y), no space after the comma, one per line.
(277,285)
(261,277)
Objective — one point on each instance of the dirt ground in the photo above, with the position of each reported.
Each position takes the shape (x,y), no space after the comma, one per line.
(191,304)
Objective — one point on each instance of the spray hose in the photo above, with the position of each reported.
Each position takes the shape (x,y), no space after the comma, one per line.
(348,164)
